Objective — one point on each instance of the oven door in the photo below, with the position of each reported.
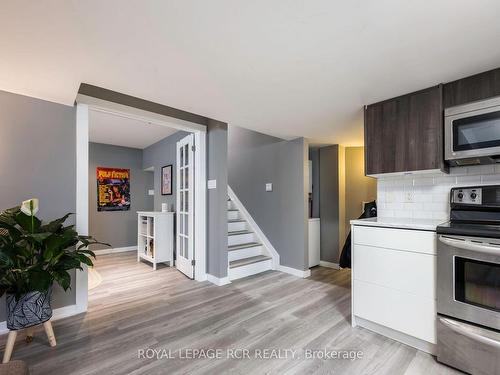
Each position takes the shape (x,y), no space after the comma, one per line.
(473,130)
(468,279)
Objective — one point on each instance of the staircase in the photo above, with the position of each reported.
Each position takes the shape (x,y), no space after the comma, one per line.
(246,254)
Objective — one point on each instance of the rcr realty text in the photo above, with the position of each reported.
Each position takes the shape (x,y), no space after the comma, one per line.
(240,353)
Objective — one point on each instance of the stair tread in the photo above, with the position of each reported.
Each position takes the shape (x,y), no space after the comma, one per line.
(246,261)
(232,209)
(236,232)
(243,246)
(236,221)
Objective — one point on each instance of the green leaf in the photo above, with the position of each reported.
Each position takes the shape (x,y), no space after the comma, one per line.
(25,222)
(39,280)
(85,260)
(55,225)
(5,260)
(63,279)
(37,237)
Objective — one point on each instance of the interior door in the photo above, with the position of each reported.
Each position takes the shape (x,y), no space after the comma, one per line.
(185,205)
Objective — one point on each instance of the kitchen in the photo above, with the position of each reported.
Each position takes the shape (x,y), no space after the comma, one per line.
(426,271)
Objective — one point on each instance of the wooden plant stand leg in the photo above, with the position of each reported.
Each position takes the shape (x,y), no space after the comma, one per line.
(50,333)
(10,346)
(30,333)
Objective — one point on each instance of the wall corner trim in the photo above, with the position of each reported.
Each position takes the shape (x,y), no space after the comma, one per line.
(219,281)
(324,263)
(295,272)
(260,234)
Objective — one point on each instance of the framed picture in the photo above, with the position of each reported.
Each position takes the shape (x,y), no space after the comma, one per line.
(113,189)
(166,180)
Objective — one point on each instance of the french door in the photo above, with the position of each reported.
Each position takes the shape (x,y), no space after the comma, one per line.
(185,206)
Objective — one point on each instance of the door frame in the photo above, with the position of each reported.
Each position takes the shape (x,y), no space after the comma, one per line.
(86,103)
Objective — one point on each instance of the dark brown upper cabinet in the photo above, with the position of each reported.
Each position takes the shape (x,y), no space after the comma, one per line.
(477,87)
(405,134)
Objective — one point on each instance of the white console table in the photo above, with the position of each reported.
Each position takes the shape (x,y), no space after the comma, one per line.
(155,237)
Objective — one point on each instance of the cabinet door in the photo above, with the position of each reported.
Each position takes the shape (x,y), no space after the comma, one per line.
(477,87)
(405,133)
(384,137)
(424,130)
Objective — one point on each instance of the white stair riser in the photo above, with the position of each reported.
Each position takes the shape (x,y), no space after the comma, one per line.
(249,269)
(233,227)
(231,205)
(240,239)
(244,253)
(232,215)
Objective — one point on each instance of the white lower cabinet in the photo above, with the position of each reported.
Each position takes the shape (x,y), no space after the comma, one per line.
(394,283)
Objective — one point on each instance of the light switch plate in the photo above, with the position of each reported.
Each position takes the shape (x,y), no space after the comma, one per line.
(151,192)
(212,184)
(269,186)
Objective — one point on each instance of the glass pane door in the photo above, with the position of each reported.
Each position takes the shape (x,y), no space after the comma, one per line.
(185,213)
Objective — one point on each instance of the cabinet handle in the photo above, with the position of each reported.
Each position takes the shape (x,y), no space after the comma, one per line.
(467,245)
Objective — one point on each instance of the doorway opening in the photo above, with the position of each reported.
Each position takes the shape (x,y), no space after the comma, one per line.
(140,180)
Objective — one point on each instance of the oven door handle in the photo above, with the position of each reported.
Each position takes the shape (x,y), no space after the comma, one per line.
(467,245)
(467,332)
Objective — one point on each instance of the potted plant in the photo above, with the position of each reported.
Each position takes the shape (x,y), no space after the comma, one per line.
(34,255)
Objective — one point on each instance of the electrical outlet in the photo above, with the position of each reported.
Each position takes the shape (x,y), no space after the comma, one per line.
(409,196)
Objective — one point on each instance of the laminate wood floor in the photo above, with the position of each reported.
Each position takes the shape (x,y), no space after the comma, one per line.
(136,308)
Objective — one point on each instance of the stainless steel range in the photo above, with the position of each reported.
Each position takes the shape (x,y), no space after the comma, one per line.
(468,282)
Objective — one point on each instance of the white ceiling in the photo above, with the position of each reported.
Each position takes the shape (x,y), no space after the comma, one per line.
(122,131)
(283,67)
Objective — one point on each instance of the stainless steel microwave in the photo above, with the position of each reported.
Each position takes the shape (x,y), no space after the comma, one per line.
(472,133)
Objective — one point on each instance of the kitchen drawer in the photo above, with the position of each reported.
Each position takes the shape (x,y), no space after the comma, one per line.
(400,239)
(407,313)
(402,270)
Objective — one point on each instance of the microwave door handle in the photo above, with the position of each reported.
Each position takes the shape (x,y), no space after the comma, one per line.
(467,245)
(465,331)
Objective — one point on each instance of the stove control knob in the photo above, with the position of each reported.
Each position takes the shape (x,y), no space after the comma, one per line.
(460,195)
(473,196)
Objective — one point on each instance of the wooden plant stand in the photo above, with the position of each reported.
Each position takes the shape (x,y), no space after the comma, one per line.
(29,337)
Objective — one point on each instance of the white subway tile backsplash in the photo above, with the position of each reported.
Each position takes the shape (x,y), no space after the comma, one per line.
(430,195)
(490,179)
(450,180)
(423,181)
(468,180)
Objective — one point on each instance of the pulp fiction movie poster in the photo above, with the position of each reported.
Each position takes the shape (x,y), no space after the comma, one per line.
(113,189)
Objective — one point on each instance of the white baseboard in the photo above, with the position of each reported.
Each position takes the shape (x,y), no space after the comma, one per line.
(396,335)
(60,313)
(218,281)
(324,263)
(293,271)
(115,250)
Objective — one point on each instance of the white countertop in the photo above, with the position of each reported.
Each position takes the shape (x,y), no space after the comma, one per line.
(396,222)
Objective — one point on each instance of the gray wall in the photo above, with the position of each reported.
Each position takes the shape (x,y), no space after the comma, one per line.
(158,155)
(329,203)
(118,228)
(38,159)
(255,159)
(217,160)
(314,157)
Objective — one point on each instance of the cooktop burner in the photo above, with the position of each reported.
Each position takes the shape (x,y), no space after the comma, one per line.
(470,229)
(475,211)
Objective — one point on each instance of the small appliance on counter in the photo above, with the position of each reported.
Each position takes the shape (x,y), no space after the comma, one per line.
(468,281)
